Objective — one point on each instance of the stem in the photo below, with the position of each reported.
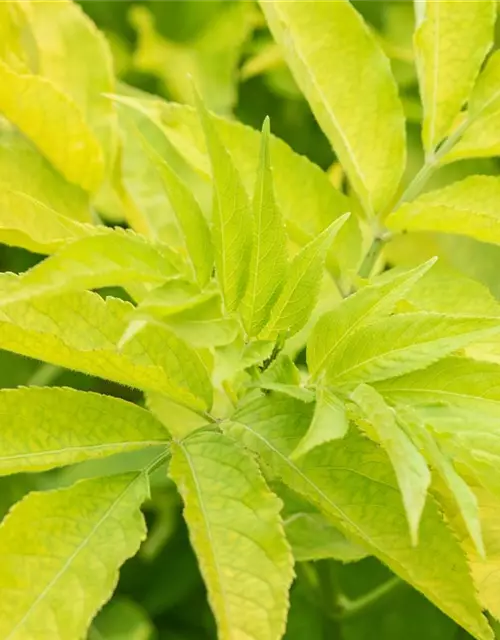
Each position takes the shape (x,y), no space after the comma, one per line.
(44,376)
(353,608)
(158,461)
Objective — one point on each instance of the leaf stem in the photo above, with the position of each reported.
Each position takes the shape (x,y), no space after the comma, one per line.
(354,608)
(44,375)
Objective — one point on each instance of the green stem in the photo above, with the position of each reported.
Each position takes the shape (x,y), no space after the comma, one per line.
(354,608)
(44,376)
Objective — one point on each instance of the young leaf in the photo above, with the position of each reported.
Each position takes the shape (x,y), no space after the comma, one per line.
(481,138)
(28,223)
(300,291)
(409,465)
(367,305)
(63,137)
(329,422)
(81,331)
(451,42)
(237,535)
(402,343)
(268,260)
(355,126)
(352,483)
(469,207)
(231,219)
(190,218)
(61,551)
(111,258)
(51,427)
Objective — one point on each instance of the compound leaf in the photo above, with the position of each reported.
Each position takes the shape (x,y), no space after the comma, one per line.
(237,534)
(61,551)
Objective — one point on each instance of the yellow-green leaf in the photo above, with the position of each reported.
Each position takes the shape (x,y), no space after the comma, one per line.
(329,49)
(237,534)
(54,123)
(268,260)
(50,427)
(51,590)
(14,36)
(469,207)
(451,42)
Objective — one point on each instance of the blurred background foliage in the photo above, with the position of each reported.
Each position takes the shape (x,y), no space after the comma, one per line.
(225,46)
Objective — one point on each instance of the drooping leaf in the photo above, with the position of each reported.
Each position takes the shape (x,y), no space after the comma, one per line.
(75,56)
(51,427)
(53,122)
(480,138)
(105,259)
(469,207)
(329,422)
(367,305)
(237,535)
(409,464)
(82,331)
(268,260)
(53,590)
(402,343)
(231,217)
(353,125)
(351,482)
(31,224)
(300,291)
(451,42)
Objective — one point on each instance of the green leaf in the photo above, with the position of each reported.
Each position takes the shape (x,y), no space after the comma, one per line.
(481,138)
(111,258)
(462,494)
(81,331)
(231,217)
(122,618)
(352,483)
(178,296)
(14,35)
(402,343)
(64,138)
(304,194)
(365,306)
(62,32)
(469,207)
(409,465)
(329,422)
(193,225)
(53,590)
(268,260)
(237,535)
(451,42)
(50,427)
(25,170)
(300,291)
(354,126)
(31,224)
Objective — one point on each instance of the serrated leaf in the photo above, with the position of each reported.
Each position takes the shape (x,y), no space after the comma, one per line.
(462,494)
(469,207)
(353,125)
(81,331)
(110,258)
(304,194)
(409,464)
(237,535)
(402,343)
(64,138)
(179,296)
(189,216)
(480,138)
(63,31)
(25,170)
(352,483)
(329,422)
(50,427)
(231,217)
(367,305)
(31,224)
(451,42)
(53,590)
(268,260)
(301,288)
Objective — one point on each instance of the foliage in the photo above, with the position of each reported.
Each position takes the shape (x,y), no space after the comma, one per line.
(260,338)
